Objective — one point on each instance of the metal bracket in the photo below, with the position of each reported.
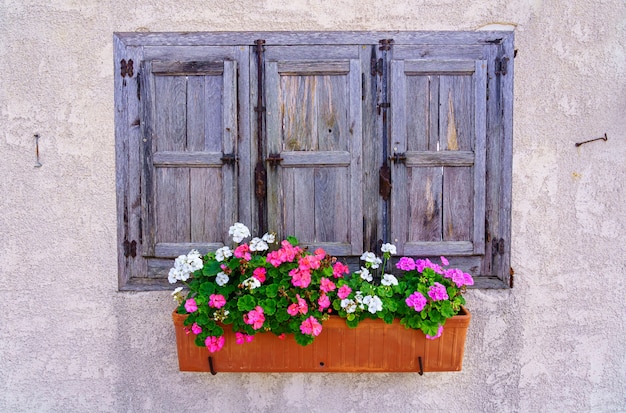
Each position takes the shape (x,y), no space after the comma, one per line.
(130,248)
(260,181)
(126,68)
(398,157)
(229,158)
(421,370)
(384,181)
(213,372)
(501,65)
(274,159)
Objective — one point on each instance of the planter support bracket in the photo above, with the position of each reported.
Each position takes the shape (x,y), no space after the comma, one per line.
(213,372)
(419,360)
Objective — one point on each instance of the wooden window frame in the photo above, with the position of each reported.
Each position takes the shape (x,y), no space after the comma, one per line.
(494,48)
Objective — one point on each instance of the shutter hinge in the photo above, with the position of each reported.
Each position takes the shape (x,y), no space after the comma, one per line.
(384,181)
(511,274)
(138,86)
(274,159)
(229,158)
(130,248)
(497,246)
(126,68)
(377,67)
(501,65)
(398,158)
(260,180)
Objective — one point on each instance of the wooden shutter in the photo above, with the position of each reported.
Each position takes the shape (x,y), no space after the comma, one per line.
(438,116)
(189,169)
(313,100)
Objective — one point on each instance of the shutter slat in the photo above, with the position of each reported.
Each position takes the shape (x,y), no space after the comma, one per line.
(326,68)
(190,159)
(187,68)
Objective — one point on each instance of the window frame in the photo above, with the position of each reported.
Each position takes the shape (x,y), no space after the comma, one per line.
(138,47)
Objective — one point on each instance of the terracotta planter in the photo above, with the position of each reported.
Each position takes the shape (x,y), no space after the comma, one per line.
(371,347)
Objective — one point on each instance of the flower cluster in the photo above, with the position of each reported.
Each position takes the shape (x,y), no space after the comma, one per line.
(266,286)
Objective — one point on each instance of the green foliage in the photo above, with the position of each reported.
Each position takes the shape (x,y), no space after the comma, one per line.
(285,289)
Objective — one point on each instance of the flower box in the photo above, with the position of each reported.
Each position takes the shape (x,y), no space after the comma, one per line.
(373,346)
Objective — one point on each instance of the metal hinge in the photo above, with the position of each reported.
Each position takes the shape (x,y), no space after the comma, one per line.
(130,248)
(126,68)
(274,159)
(260,180)
(229,158)
(501,65)
(384,181)
(398,158)
(511,274)
(497,246)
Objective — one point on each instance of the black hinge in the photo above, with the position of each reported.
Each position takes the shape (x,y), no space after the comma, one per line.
(398,158)
(384,181)
(260,181)
(126,68)
(130,248)
(138,86)
(497,246)
(511,274)
(501,65)
(229,158)
(274,159)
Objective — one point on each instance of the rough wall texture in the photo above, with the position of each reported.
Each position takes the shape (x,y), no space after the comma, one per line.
(70,342)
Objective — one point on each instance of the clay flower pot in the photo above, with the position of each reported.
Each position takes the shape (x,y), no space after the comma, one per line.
(371,347)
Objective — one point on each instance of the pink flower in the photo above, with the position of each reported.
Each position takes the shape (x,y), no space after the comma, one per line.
(323,301)
(416,301)
(281,336)
(300,278)
(241,338)
(327,285)
(340,269)
(217,301)
(344,291)
(320,253)
(444,260)
(406,264)
(439,332)
(259,274)
(459,277)
(190,305)
(214,343)
(287,253)
(299,307)
(255,318)
(309,262)
(311,326)
(438,292)
(196,329)
(243,252)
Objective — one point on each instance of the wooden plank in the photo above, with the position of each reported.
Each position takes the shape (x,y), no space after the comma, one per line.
(439,67)
(303,159)
(205,210)
(212,116)
(170,116)
(172,205)
(425,205)
(442,158)
(331,205)
(191,53)
(172,250)
(446,248)
(295,52)
(354,217)
(314,68)
(303,205)
(332,110)
(147,176)
(336,249)
(274,133)
(298,111)
(480,150)
(198,68)
(188,159)
(417,102)
(229,131)
(438,52)
(313,38)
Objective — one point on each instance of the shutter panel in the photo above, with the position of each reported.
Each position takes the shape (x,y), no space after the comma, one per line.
(189,193)
(314,126)
(438,121)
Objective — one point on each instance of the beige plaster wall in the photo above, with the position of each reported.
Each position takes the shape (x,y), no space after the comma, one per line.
(69,342)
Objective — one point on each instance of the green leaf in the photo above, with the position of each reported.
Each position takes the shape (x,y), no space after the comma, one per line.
(246,303)
(211,268)
(269,306)
(292,240)
(303,339)
(207,288)
(271,290)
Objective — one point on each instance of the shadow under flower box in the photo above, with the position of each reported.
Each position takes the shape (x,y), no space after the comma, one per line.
(371,347)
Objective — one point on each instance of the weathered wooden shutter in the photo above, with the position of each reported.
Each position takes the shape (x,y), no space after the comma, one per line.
(313,100)
(189,163)
(438,117)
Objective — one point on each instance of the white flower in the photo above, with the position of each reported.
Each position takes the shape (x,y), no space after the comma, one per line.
(389,279)
(390,248)
(184,265)
(358,297)
(176,295)
(257,244)
(372,259)
(365,274)
(222,253)
(373,303)
(251,283)
(239,231)
(269,238)
(221,278)
(348,305)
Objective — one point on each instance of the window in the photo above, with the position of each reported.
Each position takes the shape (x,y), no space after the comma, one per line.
(345,140)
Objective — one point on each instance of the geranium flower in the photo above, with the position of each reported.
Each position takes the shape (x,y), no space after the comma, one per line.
(299,307)
(327,285)
(259,274)
(311,326)
(339,269)
(390,248)
(438,292)
(439,333)
(344,291)
(217,301)
(221,278)
(196,329)
(190,305)
(406,264)
(222,253)
(255,318)
(416,301)
(214,344)
(389,280)
(238,231)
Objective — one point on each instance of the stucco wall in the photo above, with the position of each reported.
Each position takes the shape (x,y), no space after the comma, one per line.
(70,342)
